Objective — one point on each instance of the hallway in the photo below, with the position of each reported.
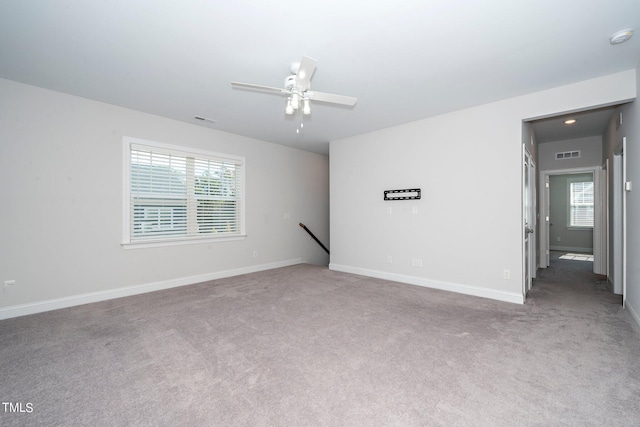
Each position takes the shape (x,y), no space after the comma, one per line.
(569,283)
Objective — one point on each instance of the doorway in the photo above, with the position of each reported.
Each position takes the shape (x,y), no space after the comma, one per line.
(571,213)
(570,142)
(575,223)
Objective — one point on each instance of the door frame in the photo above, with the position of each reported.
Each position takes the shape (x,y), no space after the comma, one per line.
(603,267)
(620,218)
(599,210)
(529,214)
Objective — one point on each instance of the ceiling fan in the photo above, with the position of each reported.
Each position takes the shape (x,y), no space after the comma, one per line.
(297,89)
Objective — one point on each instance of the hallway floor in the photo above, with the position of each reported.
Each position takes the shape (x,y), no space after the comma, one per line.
(576,256)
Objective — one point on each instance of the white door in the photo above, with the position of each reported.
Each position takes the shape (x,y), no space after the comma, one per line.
(599,255)
(620,220)
(617,181)
(533,215)
(623,149)
(544,230)
(600,228)
(528,210)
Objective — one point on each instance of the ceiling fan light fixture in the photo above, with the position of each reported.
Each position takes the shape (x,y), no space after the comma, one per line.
(295,101)
(306,106)
(288,110)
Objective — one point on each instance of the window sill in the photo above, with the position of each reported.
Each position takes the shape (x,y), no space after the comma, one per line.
(579,228)
(180,242)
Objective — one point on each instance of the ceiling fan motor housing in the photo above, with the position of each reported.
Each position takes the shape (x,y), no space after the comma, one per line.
(290,82)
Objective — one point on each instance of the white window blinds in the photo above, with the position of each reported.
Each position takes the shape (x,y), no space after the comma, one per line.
(581,204)
(177,195)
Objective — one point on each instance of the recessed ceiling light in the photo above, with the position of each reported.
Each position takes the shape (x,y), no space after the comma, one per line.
(620,37)
(570,121)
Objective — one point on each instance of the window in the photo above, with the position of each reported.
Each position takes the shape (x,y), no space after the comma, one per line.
(581,204)
(174,195)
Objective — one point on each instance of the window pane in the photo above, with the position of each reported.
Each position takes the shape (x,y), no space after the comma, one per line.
(174,193)
(217,216)
(153,173)
(581,204)
(215,178)
(155,218)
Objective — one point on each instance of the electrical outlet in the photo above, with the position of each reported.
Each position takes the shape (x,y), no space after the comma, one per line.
(419,263)
(558,239)
(255,254)
(506,274)
(389,260)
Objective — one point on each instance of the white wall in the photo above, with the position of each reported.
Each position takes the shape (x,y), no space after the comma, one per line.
(633,208)
(630,128)
(468,227)
(611,138)
(61,184)
(590,153)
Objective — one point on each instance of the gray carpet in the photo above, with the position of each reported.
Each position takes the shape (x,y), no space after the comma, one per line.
(305,346)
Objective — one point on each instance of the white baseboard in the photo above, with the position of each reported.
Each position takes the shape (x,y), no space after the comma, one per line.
(445,286)
(71,301)
(634,314)
(571,249)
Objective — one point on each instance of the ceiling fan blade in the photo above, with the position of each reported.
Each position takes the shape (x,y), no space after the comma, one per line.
(259,87)
(305,72)
(331,98)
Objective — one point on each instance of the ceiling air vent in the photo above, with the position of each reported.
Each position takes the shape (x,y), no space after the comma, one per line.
(568,155)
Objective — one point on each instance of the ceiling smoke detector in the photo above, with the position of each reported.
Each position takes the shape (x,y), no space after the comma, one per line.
(620,37)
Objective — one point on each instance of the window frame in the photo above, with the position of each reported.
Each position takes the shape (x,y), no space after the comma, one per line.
(130,143)
(570,206)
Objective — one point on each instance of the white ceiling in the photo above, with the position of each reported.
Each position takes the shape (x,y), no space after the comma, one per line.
(403,60)
(588,123)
